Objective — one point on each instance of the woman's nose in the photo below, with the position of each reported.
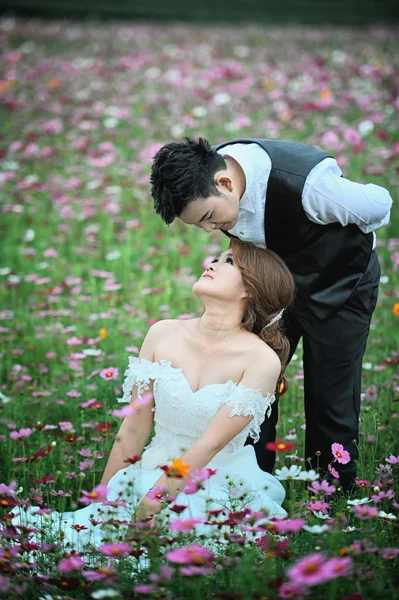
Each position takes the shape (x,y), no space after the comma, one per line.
(209,227)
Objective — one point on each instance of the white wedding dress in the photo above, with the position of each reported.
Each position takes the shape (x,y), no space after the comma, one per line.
(181,416)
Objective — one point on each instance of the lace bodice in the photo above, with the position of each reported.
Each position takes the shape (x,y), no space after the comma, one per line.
(181,415)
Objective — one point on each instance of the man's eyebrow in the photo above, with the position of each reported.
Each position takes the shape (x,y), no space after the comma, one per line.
(202,218)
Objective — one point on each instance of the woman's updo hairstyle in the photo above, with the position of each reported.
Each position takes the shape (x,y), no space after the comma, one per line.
(270,288)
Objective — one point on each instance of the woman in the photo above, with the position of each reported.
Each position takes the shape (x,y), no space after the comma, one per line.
(212,382)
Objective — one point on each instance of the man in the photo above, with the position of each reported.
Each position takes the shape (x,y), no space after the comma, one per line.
(292,199)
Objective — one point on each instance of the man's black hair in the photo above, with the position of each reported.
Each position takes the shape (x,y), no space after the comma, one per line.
(182,172)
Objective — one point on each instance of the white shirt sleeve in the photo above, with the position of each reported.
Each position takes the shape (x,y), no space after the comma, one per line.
(329,198)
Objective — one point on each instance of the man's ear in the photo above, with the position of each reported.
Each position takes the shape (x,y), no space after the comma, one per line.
(223,181)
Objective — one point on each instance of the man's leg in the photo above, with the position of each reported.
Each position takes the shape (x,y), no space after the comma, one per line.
(333,353)
(266,458)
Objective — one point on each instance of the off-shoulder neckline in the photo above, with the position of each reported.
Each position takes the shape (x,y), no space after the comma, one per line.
(168,363)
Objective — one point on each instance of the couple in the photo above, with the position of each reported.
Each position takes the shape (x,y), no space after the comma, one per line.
(212,382)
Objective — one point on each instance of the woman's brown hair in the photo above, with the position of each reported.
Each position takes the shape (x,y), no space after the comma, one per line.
(271,288)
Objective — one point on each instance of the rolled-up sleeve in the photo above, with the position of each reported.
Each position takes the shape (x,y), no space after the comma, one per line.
(329,198)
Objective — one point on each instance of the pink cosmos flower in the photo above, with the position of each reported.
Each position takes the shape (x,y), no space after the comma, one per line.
(8,489)
(158,493)
(22,433)
(337,567)
(102,573)
(393,460)
(66,426)
(292,590)
(333,472)
(309,570)
(114,548)
(70,564)
(341,455)
(383,495)
(322,487)
(190,555)
(99,493)
(144,589)
(165,574)
(319,505)
(389,553)
(362,483)
(109,373)
(185,524)
(192,571)
(364,512)
(285,526)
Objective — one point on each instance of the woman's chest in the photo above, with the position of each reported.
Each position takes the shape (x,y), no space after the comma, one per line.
(202,367)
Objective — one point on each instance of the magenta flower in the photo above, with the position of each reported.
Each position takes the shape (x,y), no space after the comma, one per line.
(66,426)
(362,483)
(71,563)
(144,589)
(319,505)
(165,574)
(190,555)
(22,433)
(8,489)
(364,512)
(193,570)
(341,455)
(158,493)
(126,411)
(309,570)
(109,373)
(285,526)
(387,495)
(393,460)
(114,548)
(99,494)
(292,590)
(389,553)
(185,524)
(337,567)
(322,487)
(333,472)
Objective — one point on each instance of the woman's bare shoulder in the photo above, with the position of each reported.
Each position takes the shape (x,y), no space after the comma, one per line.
(258,351)
(171,327)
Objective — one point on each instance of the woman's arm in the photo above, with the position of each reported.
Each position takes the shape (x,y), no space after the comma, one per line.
(262,375)
(135,429)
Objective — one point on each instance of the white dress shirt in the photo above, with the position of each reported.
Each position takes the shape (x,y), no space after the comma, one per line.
(326,197)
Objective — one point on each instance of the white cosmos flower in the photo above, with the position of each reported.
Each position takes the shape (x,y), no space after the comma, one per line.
(109,593)
(315,528)
(358,501)
(385,515)
(92,351)
(348,529)
(310,475)
(320,515)
(294,472)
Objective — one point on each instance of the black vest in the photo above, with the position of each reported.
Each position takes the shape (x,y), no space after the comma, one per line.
(327,261)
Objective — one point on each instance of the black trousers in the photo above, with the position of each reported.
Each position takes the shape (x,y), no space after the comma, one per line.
(332,360)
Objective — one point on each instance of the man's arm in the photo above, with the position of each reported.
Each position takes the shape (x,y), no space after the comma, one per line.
(329,198)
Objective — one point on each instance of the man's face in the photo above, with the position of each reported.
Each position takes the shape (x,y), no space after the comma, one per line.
(214,212)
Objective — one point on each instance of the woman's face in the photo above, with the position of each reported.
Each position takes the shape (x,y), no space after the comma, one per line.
(221,279)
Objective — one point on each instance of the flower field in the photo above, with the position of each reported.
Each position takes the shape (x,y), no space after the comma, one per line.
(87,266)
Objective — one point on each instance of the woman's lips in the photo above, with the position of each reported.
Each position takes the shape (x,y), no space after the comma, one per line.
(207,276)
